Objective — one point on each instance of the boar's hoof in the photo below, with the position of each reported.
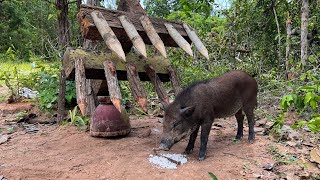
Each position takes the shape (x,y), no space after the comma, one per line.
(202,158)
(188,151)
(251,141)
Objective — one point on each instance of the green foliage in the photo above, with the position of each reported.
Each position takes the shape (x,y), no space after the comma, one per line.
(213,177)
(305,99)
(77,120)
(41,77)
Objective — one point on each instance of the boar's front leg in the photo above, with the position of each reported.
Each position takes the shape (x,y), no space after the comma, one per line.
(192,140)
(205,131)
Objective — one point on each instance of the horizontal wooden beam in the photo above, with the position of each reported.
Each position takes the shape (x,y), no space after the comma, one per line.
(94,69)
(90,31)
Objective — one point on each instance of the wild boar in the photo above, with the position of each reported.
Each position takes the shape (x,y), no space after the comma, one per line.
(198,105)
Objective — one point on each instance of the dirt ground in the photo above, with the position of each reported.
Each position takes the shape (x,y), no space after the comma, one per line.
(65,152)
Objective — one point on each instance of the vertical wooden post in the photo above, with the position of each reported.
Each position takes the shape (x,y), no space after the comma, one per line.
(113,85)
(62,93)
(80,79)
(158,86)
(138,92)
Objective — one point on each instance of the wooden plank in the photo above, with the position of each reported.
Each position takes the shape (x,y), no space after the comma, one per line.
(90,31)
(113,85)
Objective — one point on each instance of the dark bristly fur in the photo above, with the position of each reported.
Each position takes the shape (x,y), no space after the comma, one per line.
(199,104)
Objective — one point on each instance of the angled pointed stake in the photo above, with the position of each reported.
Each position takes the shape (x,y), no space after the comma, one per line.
(179,39)
(107,34)
(153,35)
(133,35)
(196,40)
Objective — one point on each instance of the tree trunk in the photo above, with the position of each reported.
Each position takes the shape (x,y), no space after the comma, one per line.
(63,23)
(279,35)
(64,40)
(87,43)
(62,93)
(288,45)
(132,6)
(304,31)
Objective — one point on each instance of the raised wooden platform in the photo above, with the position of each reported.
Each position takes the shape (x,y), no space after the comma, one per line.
(94,69)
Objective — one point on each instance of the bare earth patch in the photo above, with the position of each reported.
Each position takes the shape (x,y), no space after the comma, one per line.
(64,152)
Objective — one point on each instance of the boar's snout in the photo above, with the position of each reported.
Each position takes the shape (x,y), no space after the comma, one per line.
(166,144)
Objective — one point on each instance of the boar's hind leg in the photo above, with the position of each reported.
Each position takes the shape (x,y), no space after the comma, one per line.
(192,140)
(239,117)
(205,131)
(250,116)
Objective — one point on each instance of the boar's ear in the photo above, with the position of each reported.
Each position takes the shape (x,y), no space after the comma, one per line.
(187,111)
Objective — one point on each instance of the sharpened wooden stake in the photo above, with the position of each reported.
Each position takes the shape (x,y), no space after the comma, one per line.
(133,35)
(197,42)
(158,85)
(175,81)
(113,85)
(138,92)
(153,35)
(80,78)
(107,34)
(179,39)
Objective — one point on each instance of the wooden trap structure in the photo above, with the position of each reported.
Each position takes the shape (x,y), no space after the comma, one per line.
(98,73)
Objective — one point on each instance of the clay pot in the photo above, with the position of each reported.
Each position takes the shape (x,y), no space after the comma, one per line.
(107,121)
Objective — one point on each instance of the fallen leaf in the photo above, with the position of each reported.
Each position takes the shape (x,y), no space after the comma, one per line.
(3,138)
(315,155)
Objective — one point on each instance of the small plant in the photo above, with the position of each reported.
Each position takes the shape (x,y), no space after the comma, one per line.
(77,120)
(305,99)
(213,177)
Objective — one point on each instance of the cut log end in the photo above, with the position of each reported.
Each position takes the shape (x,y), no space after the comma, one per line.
(143,103)
(82,106)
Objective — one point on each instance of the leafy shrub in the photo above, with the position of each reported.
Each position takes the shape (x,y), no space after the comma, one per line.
(305,99)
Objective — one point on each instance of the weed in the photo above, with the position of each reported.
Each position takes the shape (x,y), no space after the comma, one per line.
(77,120)
(281,157)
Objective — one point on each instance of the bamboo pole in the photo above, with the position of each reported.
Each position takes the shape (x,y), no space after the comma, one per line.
(107,34)
(197,42)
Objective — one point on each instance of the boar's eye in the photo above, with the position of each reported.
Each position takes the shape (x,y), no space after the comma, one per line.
(175,124)
(187,111)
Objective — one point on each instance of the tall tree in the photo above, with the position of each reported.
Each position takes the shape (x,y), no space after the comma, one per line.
(304,31)
(63,23)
